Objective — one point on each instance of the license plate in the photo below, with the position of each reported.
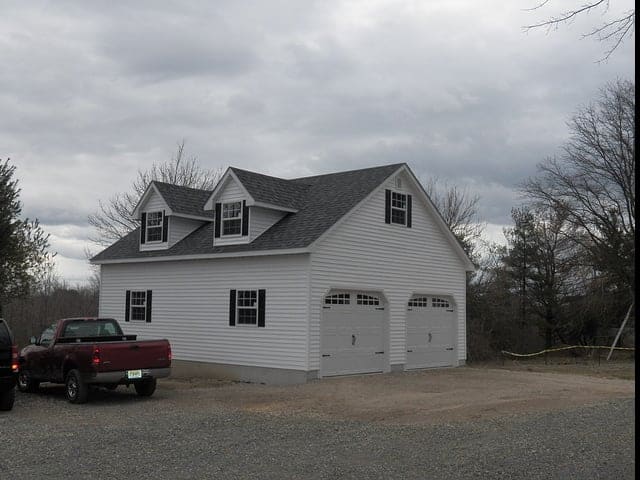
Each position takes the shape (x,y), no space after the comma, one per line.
(134,374)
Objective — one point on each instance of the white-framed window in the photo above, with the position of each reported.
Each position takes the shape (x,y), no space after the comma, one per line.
(138,305)
(399,208)
(419,302)
(362,299)
(247,307)
(338,299)
(439,303)
(154,227)
(231,218)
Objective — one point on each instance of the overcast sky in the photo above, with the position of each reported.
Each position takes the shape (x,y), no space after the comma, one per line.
(92,91)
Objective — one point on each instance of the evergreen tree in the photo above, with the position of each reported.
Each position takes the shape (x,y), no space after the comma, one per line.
(23,244)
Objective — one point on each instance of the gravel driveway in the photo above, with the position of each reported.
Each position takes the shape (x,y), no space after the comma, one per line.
(187,432)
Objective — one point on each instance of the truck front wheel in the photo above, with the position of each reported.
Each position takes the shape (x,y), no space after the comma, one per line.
(146,387)
(77,391)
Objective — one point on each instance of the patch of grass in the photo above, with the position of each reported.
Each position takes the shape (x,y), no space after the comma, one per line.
(622,369)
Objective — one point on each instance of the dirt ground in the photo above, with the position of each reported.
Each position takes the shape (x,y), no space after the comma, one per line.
(424,397)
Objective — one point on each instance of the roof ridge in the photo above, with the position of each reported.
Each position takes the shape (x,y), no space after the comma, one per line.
(260,174)
(351,171)
(181,186)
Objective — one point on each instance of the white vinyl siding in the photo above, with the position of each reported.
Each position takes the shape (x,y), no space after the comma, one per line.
(232,192)
(191,307)
(365,253)
(261,219)
(181,227)
(154,203)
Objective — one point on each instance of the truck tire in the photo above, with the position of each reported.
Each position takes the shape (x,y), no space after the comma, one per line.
(145,388)
(26,383)
(76,390)
(7,398)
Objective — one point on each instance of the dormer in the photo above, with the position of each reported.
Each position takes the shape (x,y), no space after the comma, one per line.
(246,204)
(168,213)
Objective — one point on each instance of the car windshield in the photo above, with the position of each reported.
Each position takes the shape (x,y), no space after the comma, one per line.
(91,328)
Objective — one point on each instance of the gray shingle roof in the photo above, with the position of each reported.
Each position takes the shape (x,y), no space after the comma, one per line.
(273,190)
(184,200)
(321,201)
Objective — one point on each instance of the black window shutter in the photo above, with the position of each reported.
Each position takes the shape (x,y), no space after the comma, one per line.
(127,305)
(261,301)
(147,317)
(218,222)
(408,211)
(387,206)
(143,228)
(232,308)
(245,219)
(165,227)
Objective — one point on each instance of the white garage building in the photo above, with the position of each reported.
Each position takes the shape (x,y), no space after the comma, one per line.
(279,281)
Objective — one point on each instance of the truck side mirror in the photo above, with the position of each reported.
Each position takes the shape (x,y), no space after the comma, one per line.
(33,340)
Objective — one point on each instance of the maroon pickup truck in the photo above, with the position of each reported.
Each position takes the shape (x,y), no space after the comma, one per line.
(80,352)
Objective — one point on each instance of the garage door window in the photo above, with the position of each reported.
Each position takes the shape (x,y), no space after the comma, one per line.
(367,300)
(419,302)
(338,299)
(439,303)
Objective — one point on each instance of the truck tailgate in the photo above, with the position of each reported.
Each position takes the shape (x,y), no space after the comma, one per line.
(134,355)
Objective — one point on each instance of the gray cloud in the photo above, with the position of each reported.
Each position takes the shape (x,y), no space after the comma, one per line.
(92,91)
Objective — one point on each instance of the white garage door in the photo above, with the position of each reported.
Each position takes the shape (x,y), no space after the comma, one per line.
(430,331)
(352,333)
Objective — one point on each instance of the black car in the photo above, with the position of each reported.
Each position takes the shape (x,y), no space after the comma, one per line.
(8,367)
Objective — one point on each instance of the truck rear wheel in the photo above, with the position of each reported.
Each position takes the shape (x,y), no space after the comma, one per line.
(76,390)
(26,383)
(7,398)
(145,388)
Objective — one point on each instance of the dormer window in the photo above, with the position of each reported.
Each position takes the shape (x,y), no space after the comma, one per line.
(154,227)
(232,218)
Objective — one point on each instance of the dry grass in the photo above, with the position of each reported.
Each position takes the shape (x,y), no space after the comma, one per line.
(624,369)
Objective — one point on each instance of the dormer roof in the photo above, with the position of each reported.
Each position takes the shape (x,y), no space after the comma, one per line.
(183,201)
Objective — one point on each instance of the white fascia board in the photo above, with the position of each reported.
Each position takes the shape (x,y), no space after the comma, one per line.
(221,184)
(136,211)
(468,264)
(173,258)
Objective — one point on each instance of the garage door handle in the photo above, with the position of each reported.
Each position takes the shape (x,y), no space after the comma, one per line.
(378,353)
(326,355)
(450,348)
(353,339)
(409,351)
(429,336)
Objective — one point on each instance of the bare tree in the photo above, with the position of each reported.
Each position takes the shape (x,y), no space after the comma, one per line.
(611,32)
(593,183)
(113,219)
(459,209)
